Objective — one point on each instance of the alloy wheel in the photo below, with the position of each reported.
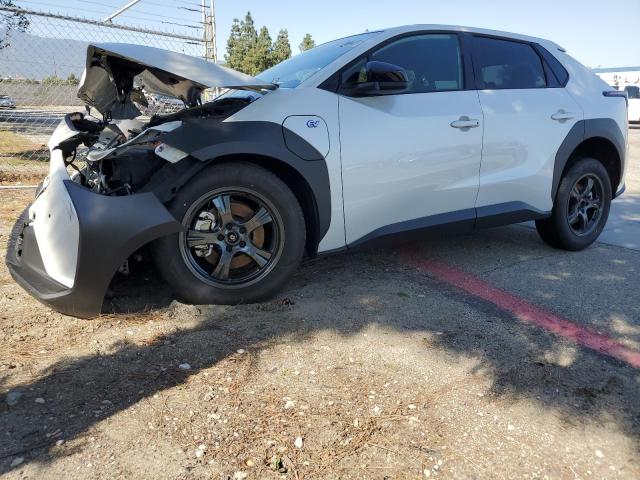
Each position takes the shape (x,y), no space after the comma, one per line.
(584,208)
(233,237)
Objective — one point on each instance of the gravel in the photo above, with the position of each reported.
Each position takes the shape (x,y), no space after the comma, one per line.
(14,397)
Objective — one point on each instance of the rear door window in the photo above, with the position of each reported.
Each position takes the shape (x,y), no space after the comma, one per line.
(504,64)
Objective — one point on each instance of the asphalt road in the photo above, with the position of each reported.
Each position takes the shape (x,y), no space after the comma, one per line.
(35,123)
(623,227)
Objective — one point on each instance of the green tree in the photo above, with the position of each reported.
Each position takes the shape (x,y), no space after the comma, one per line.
(73,80)
(241,44)
(307,43)
(260,55)
(10,21)
(233,56)
(252,52)
(247,42)
(53,80)
(281,47)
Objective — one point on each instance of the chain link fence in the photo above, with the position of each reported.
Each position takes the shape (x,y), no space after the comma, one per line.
(40,71)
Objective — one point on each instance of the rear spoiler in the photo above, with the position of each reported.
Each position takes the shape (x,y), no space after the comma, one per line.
(617,93)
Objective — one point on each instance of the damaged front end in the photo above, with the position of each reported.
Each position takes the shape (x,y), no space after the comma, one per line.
(88,218)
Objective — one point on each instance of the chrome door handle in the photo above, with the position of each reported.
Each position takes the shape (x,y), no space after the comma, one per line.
(562,116)
(465,122)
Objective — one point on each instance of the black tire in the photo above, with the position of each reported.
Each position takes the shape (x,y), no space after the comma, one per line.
(176,259)
(557,230)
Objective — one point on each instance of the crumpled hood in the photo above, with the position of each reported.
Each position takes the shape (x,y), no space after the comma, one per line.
(107,81)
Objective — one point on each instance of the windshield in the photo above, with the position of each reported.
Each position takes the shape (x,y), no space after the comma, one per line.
(292,72)
(633,92)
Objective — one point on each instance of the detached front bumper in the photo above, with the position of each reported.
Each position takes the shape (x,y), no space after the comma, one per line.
(67,246)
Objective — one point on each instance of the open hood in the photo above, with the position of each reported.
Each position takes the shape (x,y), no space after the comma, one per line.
(107,82)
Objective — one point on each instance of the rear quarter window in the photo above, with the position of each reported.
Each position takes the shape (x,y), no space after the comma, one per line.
(558,71)
(505,64)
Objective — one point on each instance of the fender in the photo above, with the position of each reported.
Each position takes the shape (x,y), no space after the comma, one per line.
(583,130)
(206,140)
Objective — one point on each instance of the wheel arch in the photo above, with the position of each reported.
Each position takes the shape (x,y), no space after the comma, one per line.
(262,143)
(600,139)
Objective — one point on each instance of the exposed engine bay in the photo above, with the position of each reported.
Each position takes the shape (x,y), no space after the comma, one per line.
(115,167)
(122,156)
(125,148)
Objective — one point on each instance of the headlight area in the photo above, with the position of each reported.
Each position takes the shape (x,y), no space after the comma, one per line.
(124,155)
(121,156)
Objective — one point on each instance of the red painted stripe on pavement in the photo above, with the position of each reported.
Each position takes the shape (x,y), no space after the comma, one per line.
(530,313)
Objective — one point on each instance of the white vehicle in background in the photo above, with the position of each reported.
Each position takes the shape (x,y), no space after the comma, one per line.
(633,93)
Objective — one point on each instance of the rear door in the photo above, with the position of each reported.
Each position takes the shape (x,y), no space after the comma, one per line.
(527,115)
(411,160)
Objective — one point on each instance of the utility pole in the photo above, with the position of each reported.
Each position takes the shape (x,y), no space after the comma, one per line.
(204,25)
(209,39)
(209,32)
(214,44)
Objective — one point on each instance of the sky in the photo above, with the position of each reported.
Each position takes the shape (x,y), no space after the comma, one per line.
(597,33)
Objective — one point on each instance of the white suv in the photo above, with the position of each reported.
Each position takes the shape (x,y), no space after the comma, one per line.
(633,94)
(425,127)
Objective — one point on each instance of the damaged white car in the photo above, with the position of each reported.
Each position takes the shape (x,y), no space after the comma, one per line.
(424,127)
(222,226)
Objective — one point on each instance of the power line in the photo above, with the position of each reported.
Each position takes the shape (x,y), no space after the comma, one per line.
(188,2)
(138,12)
(27,11)
(135,17)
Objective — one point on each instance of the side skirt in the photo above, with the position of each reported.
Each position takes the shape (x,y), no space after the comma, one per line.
(507,214)
(458,222)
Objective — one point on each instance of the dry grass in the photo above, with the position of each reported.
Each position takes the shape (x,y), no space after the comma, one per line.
(12,202)
(12,144)
(22,162)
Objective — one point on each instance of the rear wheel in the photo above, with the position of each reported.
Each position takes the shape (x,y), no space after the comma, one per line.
(244,235)
(581,207)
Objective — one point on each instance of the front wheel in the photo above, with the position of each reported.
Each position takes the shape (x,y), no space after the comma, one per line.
(244,235)
(581,207)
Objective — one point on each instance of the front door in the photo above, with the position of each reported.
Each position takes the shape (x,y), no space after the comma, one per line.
(412,159)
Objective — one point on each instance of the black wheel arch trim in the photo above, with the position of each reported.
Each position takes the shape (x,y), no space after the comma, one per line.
(207,141)
(584,130)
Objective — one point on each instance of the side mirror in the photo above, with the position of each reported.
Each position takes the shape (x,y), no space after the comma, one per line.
(377,78)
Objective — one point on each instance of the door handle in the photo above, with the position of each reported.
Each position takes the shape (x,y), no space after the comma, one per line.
(562,116)
(465,122)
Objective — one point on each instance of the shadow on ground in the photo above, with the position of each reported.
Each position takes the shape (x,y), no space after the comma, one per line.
(589,387)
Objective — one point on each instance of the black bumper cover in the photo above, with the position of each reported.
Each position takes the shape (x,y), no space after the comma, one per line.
(110,230)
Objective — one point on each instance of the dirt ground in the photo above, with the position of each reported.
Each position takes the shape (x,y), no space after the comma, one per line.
(484,356)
